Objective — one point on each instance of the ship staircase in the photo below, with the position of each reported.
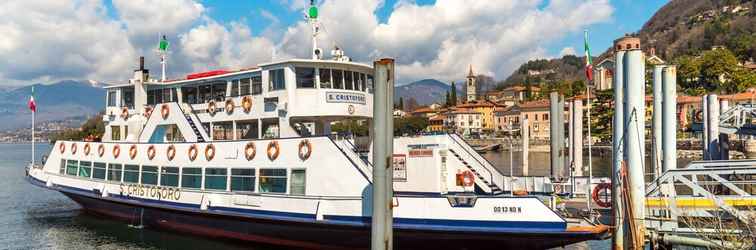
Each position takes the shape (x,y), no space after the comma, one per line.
(704,201)
(736,120)
(194,122)
(487,178)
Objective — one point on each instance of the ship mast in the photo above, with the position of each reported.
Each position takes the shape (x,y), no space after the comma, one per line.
(312,18)
(163,52)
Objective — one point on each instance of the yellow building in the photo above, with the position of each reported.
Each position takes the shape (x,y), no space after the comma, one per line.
(486,108)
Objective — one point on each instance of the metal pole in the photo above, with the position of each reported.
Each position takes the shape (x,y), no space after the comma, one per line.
(381,226)
(577,106)
(669,118)
(713,122)
(724,140)
(561,142)
(511,160)
(554,122)
(634,141)
(525,134)
(571,144)
(656,153)
(34,112)
(617,151)
(705,124)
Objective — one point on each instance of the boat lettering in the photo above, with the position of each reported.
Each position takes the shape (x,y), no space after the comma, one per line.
(507,209)
(345,97)
(151,191)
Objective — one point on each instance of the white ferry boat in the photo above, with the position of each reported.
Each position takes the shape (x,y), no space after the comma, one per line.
(248,155)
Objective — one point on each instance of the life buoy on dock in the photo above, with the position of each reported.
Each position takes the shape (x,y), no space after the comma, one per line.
(247,104)
(170,152)
(211,107)
(116,151)
(73,148)
(132,151)
(87,148)
(101,150)
(273,150)
(147,111)
(151,152)
(468,179)
(62,147)
(250,151)
(305,149)
(192,152)
(164,111)
(602,194)
(125,113)
(230,106)
(209,152)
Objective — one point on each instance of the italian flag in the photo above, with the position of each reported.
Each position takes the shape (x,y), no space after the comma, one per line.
(32,103)
(588,59)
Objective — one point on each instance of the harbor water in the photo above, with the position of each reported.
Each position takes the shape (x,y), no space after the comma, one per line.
(35,218)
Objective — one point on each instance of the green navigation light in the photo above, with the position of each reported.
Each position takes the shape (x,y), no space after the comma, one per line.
(313,12)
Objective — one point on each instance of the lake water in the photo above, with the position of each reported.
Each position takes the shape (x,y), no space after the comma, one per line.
(36,218)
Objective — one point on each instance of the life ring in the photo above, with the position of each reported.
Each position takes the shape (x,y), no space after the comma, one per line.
(247,104)
(192,152)
(62,147)
(87,148)
(209,152)
(211,107)
(699,116)
(468,179)
(170,152)
(250,151)
(132,151)
(101,150)
(602,194)
(165,111)
(229,106)
(147,111)
(273,150)
(125,113)
(73,148)
(151,152)
(116,151)
(305,149)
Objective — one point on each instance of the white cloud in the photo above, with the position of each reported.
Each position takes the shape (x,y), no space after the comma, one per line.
(567,51)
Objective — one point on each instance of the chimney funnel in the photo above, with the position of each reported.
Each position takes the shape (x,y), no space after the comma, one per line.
(141,63)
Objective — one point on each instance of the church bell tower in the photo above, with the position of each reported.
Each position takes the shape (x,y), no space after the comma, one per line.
(471,86)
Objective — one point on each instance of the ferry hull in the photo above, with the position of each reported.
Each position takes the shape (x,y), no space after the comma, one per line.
(314,235)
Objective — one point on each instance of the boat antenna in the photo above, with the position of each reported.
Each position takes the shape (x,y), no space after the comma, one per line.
(312,18)
(163,53)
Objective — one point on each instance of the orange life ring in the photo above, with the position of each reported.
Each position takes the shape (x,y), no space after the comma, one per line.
(125,113)
(132,151)
(116,151)
(250,151)
(273,150)
(229,106)
(87,148)
(211,107)
(62,147)
(151,152)
(147,111)
(468,179)
(170,152)
(603,199)
(247,104)
(165,111)
(305,149)
(73,148)
(209,152)
(192,152)
(101,150)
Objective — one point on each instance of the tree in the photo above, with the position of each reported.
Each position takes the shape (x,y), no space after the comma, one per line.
(453,94)
(411,105)
(94,127)
(688,69)
(448,101)
(401,103)
(409,125)
(350,126)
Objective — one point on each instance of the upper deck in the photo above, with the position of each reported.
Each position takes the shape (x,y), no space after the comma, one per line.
(287,99)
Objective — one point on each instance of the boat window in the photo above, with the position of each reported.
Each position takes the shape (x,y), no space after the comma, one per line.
(191,177)
(305,77)
(215,178)
(235,88)
(62,166)
(115,133)
(276,79)
(325,79)
(223,131)
(112,99)
(348,81)
(99,170)
(72,167)
(338,79)
(131,173)
(298,181)
(85,169)
(190,95)
(243,179)
(246,129)
(244,86)
(362,81)
(256,85)
(270,128)
(114,172)
(149,175)
(370,84)
(205,93)
(128,98)
(169,176)
(219,92)
(151,97)
(273,180)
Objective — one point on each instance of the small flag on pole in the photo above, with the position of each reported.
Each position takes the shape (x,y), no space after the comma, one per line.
(588,60)
(32,103)
(163,45)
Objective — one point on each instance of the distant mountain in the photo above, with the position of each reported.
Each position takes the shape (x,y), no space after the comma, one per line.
(425,92)
(57,101)
(568,68)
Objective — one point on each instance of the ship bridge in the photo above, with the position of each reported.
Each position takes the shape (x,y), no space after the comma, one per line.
(290,98)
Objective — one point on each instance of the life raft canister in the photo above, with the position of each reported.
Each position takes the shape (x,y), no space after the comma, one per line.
(247,104)
(230,106)
(192,152)
(602,194)
(164,111)
(209,152)
(211,107)
(170,152)
(116,151)
(273,150)
(132,151)
(250,151)
(101,150)
(151,152)
(305,149)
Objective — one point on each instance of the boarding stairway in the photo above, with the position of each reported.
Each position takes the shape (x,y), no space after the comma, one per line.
(194,123)
(487,177)
(350,150)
